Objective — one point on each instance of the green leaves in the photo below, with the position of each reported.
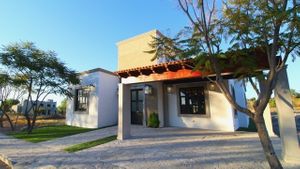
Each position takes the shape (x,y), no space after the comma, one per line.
(26,63)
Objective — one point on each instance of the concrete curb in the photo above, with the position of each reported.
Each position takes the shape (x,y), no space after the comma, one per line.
(6,160)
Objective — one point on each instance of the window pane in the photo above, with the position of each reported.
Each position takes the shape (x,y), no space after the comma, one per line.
(133,106)
(140,94)
(182,101)
(193,102)
(140,106)
(133,95)
(81,100)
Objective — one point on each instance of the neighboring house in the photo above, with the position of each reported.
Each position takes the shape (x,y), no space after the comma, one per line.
(47,108)
(180,97)
(95,101)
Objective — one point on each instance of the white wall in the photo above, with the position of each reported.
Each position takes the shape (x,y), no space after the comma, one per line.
(102,108)
(220,118)
(241,120)
(108,100)
(88,119)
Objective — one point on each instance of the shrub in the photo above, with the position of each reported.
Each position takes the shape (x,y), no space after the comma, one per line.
(153,120)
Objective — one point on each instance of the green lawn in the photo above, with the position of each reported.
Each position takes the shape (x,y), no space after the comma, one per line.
(90,144)
(48,133)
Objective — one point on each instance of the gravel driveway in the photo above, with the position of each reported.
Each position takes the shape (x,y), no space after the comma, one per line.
(148,148)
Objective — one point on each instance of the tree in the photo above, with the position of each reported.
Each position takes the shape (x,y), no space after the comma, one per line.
(270,26)
(41,72)
(62,107)
(10,93)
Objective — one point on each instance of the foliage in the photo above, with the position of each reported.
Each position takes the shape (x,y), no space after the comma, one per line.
(272,103)
(10,93)
(90,144)
(48,133)
(153,120)
(272,27)
(40,72)
(62,107)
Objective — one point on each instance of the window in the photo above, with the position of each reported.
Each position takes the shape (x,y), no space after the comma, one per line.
(81,100)
(192,100)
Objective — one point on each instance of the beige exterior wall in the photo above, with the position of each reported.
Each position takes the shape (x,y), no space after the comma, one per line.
(131,52)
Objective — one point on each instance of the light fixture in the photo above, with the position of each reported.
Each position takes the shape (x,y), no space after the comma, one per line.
(148,89)
(170,89)
(212,86)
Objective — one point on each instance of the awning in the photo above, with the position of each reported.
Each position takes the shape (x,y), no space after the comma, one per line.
(183,69)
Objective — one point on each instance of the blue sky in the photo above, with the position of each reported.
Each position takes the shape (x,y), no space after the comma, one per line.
(84,33)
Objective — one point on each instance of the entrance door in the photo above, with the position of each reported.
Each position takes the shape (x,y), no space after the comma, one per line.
(137,96)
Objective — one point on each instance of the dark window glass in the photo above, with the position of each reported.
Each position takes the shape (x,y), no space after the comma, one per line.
(81,100)
(192,100)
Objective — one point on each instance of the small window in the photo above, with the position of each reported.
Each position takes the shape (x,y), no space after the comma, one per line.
(81,99)
(192,100)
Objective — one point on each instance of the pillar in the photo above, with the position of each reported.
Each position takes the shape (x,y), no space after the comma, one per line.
(267,114)
(160,103)
(286,119)
(268,121)
(124,114)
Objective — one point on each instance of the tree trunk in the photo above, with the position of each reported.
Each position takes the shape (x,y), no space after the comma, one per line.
(1,120)
(32,123)
(28,122)
(267,143)
(10,122)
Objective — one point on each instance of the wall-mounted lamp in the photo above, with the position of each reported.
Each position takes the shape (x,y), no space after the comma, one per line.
(170,89)
(212,86)
(148,89)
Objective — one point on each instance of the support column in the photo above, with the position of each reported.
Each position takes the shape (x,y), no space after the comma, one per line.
(124,114)
(267,114)
(160,103)
(286,119)
(268,121)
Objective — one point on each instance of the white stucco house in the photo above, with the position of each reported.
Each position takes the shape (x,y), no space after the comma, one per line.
(95,101)
(180,97)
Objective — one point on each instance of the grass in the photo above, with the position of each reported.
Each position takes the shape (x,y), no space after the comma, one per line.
(89,144)
(49,133)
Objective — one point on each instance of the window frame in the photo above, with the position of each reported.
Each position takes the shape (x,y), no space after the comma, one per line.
(206,99)
(76,101)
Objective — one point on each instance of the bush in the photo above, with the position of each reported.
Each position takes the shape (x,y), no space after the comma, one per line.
(153,120)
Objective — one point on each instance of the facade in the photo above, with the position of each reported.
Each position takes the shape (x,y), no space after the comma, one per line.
(180,97)
(95,101)
(179,101)
(47,108)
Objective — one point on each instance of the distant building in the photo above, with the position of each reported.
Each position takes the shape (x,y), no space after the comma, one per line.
(48,108)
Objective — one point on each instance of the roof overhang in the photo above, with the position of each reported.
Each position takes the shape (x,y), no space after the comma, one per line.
(183,69)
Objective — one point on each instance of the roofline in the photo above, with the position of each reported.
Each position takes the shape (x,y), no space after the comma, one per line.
(97,70)
(138,36)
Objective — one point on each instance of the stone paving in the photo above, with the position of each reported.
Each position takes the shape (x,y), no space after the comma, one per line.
(148,148)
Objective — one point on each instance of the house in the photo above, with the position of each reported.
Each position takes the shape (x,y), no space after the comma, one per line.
(47,108)
(95,101)
(180,97)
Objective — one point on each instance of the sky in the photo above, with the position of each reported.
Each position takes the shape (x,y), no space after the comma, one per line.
(84,33)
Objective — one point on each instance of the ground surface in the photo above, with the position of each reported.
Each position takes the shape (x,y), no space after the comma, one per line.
(148,148)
